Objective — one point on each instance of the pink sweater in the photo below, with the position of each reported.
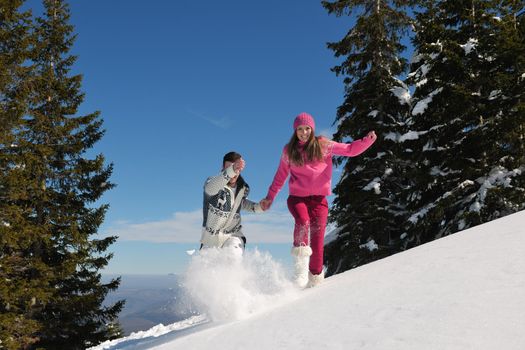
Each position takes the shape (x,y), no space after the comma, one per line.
(314,178)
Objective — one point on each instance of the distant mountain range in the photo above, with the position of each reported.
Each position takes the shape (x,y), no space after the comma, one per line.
(150,300)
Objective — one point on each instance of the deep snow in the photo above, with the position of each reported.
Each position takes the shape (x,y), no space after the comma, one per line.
(465,291)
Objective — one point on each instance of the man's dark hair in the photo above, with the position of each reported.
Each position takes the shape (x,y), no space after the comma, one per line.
(231,157)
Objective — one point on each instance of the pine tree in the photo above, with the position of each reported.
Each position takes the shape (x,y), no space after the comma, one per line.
(23,275)
(466,109)
(367,208)
(53,189)
(70,184)
(502,189)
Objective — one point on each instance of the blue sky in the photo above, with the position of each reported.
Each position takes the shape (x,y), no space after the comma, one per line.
(179,84)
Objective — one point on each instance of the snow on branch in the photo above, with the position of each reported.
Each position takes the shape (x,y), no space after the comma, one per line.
(494,94)
(498,176)
(422,105)
(397,137)
(375,184)
(414,218)
(402,94)
(470,45)
(371,245)
(438,171)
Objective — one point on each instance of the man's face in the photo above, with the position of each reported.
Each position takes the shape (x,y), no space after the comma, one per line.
(233,180)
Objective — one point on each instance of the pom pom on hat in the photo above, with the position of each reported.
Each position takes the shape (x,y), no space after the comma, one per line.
(304,119)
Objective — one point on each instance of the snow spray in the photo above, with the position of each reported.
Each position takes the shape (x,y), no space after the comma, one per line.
(226,288)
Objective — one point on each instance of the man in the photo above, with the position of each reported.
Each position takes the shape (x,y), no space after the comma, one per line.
(224,196)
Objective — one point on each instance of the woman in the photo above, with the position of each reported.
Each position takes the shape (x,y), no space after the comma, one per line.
(308,161)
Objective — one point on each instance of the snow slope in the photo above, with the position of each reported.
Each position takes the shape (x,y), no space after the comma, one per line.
(465,291)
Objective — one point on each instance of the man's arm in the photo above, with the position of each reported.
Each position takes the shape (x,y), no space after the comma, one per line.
(250,206)
(214,184)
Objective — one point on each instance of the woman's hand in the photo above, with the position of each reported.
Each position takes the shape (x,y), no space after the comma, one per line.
(265,204)
(372,136)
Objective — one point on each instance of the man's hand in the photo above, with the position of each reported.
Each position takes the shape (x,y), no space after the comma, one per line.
(239,165)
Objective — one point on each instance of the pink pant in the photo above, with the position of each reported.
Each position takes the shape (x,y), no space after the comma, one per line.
(310,214)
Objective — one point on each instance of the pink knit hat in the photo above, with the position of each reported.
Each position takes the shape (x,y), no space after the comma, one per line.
(304,119)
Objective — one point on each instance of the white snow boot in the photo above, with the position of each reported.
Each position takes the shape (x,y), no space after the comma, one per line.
(314,280)
(301,256)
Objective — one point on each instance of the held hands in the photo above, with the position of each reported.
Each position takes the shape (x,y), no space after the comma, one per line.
(239,165)
(265,204)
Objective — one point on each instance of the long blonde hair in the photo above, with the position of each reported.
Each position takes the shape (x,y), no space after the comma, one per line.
(313,149)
